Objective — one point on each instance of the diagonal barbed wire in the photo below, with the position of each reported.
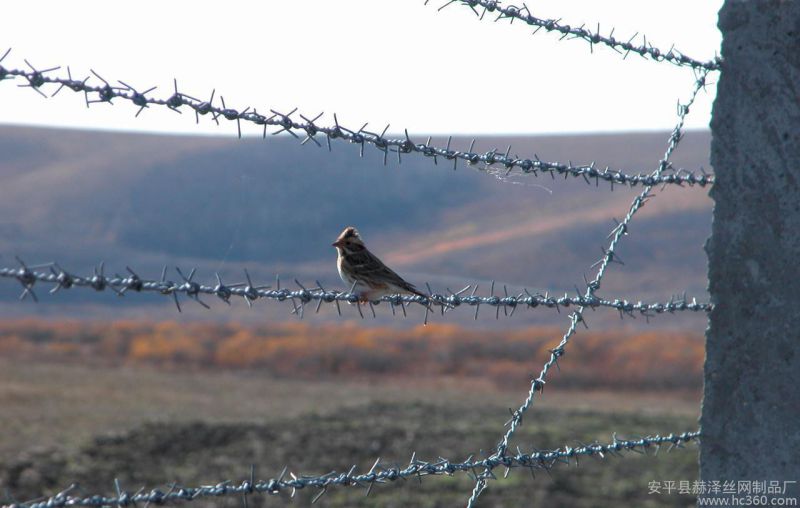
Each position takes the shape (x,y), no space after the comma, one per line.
(377,474)
(537,384)
(29,276)
(622,46)
(309,130)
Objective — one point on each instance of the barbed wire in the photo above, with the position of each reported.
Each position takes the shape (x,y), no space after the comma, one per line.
(28,276)
(537,384)
(309,129)
(622,46)
(377,474)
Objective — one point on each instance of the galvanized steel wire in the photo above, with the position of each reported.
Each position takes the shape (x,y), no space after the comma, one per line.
(377,474)
(308,128)
(317,295)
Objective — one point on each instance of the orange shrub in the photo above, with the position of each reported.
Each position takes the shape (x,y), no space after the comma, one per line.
(297,349)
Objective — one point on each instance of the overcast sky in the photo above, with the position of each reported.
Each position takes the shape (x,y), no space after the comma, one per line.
(376,61)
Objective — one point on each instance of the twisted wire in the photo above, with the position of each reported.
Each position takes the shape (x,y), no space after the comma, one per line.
(309,129)
(621,46)
(592,287)
(62,279)
(378,474)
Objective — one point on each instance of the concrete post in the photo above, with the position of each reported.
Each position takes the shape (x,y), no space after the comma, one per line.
(751,407)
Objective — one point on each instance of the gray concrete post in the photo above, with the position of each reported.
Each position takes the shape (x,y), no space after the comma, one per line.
(751,407)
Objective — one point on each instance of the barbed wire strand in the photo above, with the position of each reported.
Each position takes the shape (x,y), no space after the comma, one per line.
(309,130)
(622,46)
(28,276)
(591,288)
(377,474)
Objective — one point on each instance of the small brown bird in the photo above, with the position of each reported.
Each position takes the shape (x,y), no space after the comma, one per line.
(364,272)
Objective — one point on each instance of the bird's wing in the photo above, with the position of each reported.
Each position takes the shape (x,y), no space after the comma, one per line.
(375,273)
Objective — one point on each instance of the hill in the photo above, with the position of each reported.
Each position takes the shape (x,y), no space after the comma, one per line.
(222,204)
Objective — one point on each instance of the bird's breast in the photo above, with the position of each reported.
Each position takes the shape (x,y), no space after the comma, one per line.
(343,270)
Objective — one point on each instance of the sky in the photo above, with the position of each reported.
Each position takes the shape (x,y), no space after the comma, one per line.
(395,62)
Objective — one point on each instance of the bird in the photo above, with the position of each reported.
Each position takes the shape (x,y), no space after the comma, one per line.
(361,270)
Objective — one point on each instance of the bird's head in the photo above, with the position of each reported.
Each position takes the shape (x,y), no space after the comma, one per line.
(349,240)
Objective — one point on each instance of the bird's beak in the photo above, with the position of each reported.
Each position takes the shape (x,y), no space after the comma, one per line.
(337,243)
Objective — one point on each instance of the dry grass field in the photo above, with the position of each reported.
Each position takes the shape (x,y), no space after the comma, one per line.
(147,426)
